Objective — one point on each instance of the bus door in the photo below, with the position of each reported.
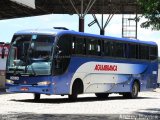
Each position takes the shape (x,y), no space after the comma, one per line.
(62,55)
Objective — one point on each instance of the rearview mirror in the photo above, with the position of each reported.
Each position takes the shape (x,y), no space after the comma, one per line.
(59,52)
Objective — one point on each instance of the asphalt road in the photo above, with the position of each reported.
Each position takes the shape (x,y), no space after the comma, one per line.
(21,107)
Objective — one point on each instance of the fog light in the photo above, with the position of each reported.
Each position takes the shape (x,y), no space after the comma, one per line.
(44,83)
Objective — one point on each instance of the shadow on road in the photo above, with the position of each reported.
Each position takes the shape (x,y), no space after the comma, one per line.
(151,111)
(33,116)
(84,99)
(149,114)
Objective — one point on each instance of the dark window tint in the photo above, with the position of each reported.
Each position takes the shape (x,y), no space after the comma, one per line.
(93,47)
(106,48)
(114,49)
(132,51)
(143,52)
(64,44)
(78,45)
(63,54)
(153,53)
(119,49)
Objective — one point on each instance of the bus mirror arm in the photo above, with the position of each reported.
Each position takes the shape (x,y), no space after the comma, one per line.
(59,51)
(58,59)
(57,64)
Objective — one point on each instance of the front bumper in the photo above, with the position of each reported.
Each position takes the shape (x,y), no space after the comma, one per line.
(30,89)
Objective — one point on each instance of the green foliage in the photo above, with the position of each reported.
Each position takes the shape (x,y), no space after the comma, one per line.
(151,11)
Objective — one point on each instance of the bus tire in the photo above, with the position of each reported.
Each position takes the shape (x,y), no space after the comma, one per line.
(74,95)
(37,96)
(102,95)
(134,92)
(77,88)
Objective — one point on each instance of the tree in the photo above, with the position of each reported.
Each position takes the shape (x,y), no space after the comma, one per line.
(150,11)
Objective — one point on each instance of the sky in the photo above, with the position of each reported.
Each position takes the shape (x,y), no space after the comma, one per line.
(114,28)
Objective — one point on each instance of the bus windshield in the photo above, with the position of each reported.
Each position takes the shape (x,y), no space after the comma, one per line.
(31,54)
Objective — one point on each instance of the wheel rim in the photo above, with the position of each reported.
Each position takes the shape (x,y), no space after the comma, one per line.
(135,90)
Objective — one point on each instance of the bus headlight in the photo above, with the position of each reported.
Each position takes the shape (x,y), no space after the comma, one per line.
(9,81)
(44,83)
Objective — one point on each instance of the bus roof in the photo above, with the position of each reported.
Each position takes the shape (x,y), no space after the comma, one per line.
(61,32)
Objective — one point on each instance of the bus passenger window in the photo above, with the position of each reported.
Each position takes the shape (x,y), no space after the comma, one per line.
(112,49)
(125,50)
(143,52)
(132,51)
(98,48)
(119,50)
(73,45)
(106,48)
(93,47)
(153,53)
(78,46)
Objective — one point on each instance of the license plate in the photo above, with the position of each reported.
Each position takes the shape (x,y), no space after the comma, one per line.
(24,89)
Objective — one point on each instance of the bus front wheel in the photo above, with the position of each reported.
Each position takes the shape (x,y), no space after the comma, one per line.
(37,96)
(74,95)
(76,89)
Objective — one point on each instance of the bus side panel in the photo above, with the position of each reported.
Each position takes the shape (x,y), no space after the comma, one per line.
(109,80)
(153,74)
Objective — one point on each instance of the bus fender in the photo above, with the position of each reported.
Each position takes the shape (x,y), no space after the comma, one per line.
(79,84)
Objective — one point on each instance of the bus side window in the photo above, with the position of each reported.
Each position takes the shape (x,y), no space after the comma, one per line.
(153,53)
(125,51)
(89,46)
(132,51)
(78,46)
(112,49)
(98,47)
(73,46)
(63,54)
(93,47)
(147,52)
(106,48)
(119,49)
(144,52)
